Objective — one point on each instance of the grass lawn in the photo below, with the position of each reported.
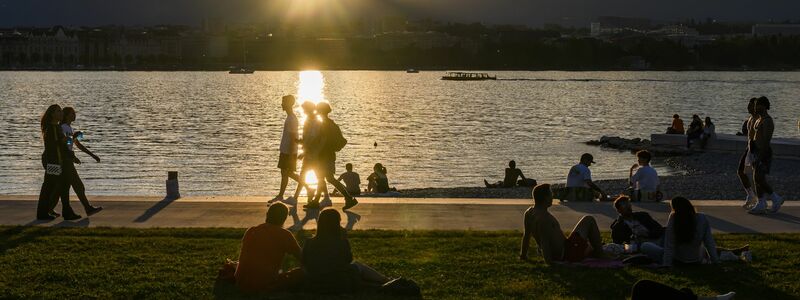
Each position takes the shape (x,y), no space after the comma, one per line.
(182,263)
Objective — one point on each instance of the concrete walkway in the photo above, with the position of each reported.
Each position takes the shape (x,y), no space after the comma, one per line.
(381,213)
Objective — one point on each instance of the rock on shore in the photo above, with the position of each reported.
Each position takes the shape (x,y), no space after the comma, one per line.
(637,144)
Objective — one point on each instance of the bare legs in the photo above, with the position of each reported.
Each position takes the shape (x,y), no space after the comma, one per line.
(587,229)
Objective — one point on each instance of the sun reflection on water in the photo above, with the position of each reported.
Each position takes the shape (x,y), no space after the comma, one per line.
(310,86)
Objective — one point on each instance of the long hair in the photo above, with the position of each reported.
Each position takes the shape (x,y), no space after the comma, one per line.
(684,220)
(48,114)
(329,225)
(708,122)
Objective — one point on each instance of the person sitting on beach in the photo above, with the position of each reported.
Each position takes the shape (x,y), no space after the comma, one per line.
(510,180)
(709,132)
(694,131)
(579,181)
(687,238)
(263,250)
(378,181)
(351,180)
(677,125)
(328,260)
(634,227)
(643,178)
(584,241)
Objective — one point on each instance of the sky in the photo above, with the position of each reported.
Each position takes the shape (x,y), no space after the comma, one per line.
(525,12)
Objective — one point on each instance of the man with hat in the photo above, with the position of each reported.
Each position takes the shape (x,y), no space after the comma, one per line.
(579,181)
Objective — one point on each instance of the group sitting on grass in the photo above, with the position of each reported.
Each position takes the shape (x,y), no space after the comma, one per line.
(326,260)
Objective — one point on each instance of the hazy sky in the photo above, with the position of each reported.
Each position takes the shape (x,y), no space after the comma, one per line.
(528,12)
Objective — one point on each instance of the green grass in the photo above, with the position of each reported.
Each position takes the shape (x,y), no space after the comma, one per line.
(182,263)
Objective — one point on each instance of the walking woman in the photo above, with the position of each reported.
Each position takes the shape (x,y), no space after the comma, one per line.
(53,158)
(75,181)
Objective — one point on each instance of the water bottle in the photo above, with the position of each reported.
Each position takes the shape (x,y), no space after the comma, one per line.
(69,141)
(79,135)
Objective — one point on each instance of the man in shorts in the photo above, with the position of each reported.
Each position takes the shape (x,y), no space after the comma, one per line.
(584,240)
(744,162)
(762,161)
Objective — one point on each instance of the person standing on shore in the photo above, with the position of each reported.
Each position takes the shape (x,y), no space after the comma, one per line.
(579,181)
(73,138)
(760,147)
(287,160)
(54,158)
(746,161)
(328,142)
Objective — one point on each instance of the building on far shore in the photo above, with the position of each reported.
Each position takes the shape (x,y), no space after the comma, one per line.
(776,29)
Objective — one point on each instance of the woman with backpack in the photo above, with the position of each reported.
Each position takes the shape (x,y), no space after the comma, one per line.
(329,141)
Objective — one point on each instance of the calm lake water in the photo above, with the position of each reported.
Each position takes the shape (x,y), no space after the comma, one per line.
(221,131)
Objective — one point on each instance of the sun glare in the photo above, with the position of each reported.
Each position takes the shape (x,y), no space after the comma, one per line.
(310,86)
(311,179)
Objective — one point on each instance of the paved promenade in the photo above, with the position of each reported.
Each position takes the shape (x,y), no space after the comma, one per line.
(381,213)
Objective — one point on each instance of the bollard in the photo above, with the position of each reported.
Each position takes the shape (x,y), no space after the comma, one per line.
(172,185)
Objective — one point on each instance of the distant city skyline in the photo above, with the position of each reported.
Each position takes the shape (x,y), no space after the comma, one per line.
(523,12)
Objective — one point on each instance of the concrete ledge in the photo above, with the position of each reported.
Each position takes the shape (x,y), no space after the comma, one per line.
(785,147)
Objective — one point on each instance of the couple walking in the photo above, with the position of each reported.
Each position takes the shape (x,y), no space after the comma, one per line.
(322,138)
(59,160)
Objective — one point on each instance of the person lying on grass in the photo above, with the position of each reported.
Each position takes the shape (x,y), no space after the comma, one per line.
(263,250)
(546,230)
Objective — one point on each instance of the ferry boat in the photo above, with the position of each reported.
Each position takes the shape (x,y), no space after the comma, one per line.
(467,76)
(412,71)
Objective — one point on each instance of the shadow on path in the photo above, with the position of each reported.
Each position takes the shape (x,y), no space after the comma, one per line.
(152,211)
(725,226)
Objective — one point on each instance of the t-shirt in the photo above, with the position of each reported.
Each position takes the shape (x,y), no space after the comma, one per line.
(511,177)
(677,124)
(578,175)
(290,135)
(352,181)
(67,133)
(263,249)
(645,179)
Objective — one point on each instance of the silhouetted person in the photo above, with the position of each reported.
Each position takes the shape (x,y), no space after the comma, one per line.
(584,241)
(579,181)
(510,180)
(329,141)
(709,132)
(54,160)
(746,160)
(651,290)
(75,179)
(328,260)
(695,130)
(643,178)
(263,250)
(677,125)
(351,180)
(378,181)
(310,128)
(287,159)
(762,158)
(634,227)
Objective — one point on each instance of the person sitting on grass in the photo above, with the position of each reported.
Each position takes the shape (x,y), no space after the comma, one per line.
(687,239)
(351,179)
(378,181)
(263,250)
(584,241)
(328,260)
(634,227)
(651,290)
(643,178)
(510,180)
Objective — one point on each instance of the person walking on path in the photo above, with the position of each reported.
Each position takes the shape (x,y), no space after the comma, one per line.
(760,147)
(310,127)
(73,139)
(287,159)
(746,161)
(328,142)
(53,159)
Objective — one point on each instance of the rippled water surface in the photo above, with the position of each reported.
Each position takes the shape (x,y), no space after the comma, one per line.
(221,131)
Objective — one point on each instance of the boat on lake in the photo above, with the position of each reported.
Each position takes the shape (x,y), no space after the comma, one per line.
(241,70)
(467,76)
(413,71)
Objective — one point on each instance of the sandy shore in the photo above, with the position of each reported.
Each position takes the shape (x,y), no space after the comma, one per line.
(710,176)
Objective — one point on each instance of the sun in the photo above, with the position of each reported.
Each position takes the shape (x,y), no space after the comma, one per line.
(310,86)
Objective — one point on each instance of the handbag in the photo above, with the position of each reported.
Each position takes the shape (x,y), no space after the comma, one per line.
(54,169)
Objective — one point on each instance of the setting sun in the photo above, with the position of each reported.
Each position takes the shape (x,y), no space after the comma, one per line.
(310,86)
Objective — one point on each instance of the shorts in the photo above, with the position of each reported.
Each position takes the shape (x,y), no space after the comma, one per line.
(575,248)
(287,162)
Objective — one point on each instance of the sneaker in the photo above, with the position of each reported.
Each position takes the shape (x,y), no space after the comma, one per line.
(747,256)
(777,202)
(312,205)
(727,296)
(759,209)
(54,214)
(291,201)
(748,202)
(326,202)
(93,210)
(72,217)
(276,199)
(348,204)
